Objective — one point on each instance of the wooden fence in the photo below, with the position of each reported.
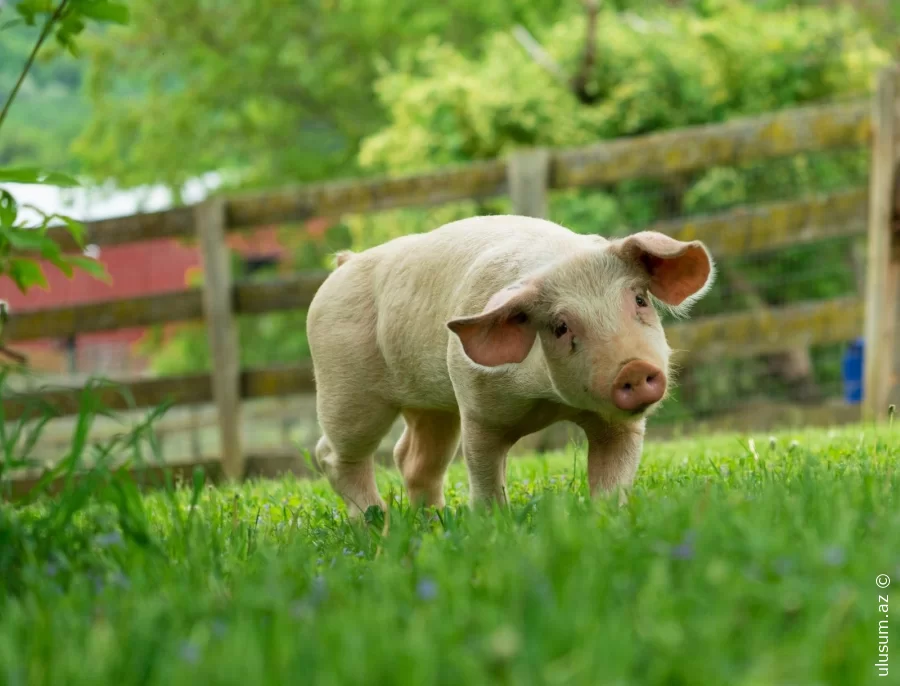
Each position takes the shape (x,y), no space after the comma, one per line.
(527,177)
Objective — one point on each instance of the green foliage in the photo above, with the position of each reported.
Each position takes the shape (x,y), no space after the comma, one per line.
(722,568)
(672,70)
(50,108)
(675,69)
(57,539)
(473,93)
(275,91)
(667,69)
(266,340)
(20,242)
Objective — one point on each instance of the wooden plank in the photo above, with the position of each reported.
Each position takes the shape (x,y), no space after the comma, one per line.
(251,297)
(107,315)
(745,334)
(756,417)
(191,389)
(763,416)
(882,280)
(733,335)
(221,326)
(278,381)
(894,274)
(734,143)
(124,395)
(768,416)
(289,293)
(747,230)
(528,172)
(737,142)
(152,476)
(468,182)
(289,406)
(737,232)
(174,223)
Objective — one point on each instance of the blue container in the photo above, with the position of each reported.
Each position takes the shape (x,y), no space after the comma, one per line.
(852,372)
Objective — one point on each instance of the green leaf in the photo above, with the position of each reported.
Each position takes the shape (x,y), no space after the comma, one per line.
(11,23)
(27,11)
(90,266)
(35,175)
(29,239)
(72,25)
(106,11)
(76,229)
(61,180)
(51,251)
(8,209)
(27,273)
(61,262)
(20,175)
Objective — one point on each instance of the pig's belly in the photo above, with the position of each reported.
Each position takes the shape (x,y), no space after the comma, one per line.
(416,377)
(422,384)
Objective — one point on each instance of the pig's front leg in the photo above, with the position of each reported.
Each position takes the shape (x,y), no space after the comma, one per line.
(485,451)
(614,452)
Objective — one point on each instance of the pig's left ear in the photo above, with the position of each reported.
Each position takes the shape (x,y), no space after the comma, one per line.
(680,272)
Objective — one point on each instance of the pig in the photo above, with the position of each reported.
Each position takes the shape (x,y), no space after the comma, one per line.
(488,329)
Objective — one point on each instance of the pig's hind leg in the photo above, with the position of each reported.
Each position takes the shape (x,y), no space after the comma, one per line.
(353,424)
(424,451)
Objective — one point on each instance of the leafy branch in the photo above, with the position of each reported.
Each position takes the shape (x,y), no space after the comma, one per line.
(23,245)
(579,84)
(48,27)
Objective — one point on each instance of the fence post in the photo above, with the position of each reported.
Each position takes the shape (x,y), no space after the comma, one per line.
(221,328)
(883,262)
(195,433)
(528,172)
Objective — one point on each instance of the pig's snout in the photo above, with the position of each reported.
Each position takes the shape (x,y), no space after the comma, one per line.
(638,385)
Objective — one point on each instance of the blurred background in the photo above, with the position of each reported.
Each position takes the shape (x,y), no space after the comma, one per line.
(239,95)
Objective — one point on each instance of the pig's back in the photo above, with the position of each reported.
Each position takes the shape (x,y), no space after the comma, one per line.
(422,281)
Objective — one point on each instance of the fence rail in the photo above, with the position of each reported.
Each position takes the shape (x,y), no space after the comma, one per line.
(526,177)
(735,335)
(810,129)
(739,232)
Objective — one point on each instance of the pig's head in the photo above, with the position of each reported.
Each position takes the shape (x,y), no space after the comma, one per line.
(595,315)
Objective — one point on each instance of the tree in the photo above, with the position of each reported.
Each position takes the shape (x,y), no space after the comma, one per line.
(275,91)
(442,100)
(631,75)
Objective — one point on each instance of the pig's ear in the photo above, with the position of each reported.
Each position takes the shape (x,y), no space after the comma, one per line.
(680,272)
(503,333)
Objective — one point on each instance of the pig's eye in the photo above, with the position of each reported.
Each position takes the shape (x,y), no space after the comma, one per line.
(640,300)
(560,330)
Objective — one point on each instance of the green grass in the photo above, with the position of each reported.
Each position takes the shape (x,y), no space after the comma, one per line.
(721,569)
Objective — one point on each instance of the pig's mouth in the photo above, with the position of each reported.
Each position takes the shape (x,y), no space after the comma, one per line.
(640,412)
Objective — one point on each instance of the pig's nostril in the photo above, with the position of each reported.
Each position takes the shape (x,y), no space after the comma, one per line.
(638,386)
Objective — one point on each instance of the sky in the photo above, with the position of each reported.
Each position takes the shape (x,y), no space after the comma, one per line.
(91,204)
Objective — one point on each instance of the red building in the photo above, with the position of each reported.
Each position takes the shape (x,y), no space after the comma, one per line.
(137,269)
